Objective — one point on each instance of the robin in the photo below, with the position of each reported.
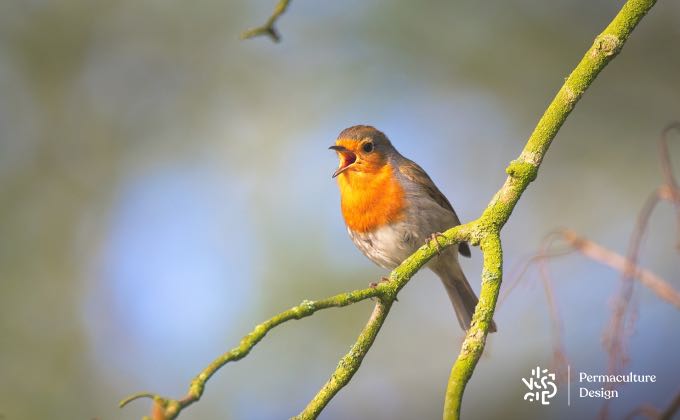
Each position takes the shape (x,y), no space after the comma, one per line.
(391,207)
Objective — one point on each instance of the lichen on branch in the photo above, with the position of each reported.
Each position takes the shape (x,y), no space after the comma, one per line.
(521,173)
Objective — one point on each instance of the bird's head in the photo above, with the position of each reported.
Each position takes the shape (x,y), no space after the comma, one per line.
(362,149)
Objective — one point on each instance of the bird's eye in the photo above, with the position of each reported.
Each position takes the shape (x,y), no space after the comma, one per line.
(367,147)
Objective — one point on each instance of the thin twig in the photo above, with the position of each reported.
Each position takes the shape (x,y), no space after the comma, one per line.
(644,410)
(602,255)
(517,273)
(671,190)
(559,353)
(614,337)
(303,310)
(672,408)
(654,413)
(596,252)
(268,28)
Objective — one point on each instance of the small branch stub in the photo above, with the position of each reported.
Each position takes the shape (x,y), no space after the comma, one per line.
(268,29)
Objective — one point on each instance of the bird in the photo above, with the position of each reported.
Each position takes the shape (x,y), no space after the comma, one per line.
(391,207)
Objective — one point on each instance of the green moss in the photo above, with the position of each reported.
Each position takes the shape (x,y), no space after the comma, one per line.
(523,171)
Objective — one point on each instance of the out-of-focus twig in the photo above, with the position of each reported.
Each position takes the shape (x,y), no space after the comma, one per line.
(655,414)
(614,336)
(559,353)
(595,252)
(672,408)
(644,410)
(670,190)
(592,250)
(546,252)
(517,273)
(268,28)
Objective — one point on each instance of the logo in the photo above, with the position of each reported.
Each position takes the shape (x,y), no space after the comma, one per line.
(541,386)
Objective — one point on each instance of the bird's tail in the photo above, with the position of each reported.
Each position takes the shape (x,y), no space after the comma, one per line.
(460,292)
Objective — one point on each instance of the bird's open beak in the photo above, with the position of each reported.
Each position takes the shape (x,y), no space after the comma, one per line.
(347,159)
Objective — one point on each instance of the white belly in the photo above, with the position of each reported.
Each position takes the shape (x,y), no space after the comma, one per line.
(387,246)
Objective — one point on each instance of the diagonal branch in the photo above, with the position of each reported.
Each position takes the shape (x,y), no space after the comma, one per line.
(350,363)
(173,407)
(386,292)
(521,172)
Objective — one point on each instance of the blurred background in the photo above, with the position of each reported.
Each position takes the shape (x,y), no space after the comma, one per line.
(164,187)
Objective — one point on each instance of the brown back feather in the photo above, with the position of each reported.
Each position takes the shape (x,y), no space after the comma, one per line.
(416,174)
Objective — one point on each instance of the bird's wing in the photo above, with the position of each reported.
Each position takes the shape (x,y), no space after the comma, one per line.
(416,174)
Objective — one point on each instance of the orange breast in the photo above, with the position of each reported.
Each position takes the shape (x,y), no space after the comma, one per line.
(370,200)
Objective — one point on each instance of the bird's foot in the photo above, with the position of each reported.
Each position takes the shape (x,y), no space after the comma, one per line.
(373,285)
(433,237)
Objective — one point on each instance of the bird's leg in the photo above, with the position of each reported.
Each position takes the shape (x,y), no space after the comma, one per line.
(433,237)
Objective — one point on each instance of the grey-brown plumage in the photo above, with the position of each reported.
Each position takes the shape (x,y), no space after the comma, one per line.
(367,154)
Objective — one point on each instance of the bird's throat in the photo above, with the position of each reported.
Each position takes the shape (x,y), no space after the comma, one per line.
(370,200)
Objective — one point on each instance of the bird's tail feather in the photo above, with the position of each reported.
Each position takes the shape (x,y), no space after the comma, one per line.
(460,293)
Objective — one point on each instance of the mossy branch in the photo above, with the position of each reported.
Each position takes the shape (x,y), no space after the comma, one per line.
(386,293)
(521,173)
(484,231)
(350,363)
(303,310)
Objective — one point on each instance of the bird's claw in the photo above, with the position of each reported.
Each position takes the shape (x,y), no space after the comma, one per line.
(433,237)
(373,285)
